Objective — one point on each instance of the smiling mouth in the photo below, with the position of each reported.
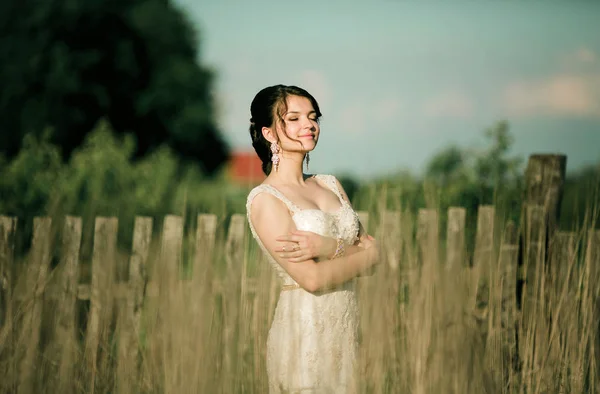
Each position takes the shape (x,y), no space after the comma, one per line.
(307,136)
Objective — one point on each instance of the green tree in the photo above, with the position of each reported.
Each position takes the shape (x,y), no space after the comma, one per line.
(67,64)
(493,166)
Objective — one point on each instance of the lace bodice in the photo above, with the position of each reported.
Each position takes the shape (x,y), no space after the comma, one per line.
(342,223)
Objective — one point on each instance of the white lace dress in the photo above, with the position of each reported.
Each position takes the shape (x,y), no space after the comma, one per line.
(312,342)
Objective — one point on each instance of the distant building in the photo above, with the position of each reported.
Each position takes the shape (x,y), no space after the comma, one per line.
(245,168)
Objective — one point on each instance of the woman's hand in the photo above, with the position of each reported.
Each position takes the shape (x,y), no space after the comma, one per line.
(305,245)
(367,242)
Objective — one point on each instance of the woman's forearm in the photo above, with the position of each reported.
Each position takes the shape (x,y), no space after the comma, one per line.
(332,273)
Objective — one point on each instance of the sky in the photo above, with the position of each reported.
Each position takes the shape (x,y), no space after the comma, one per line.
(399,80)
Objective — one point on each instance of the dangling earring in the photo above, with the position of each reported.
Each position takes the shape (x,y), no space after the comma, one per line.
(275,155)
(307,160)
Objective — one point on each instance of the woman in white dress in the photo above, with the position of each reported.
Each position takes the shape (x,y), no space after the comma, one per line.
(313,239)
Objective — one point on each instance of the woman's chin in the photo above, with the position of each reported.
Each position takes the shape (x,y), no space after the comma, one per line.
(309,145)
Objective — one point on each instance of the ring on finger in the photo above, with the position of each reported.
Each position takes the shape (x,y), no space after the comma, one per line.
(283,248)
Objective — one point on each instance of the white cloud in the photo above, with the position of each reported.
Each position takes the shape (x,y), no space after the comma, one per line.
(585,55)
(579,59)
(451,104)
(563,94)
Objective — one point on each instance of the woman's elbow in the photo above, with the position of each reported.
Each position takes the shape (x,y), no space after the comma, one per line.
(312,285)
(312,282)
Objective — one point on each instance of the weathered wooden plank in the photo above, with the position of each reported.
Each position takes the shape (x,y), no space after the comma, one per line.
(62,350)
(101,302)
(482,269)
(455,237)
(390,237)
(561,270)
(166,274)
(170,251)
(507,262)
(484,238)
(236,288)
(7,232)
(8,227)
(37,272)
(428,236)
(234,246)
(508,259)
(500,348)
(205,243)
(533,322)
(544,184)
(534,246)
(130,310)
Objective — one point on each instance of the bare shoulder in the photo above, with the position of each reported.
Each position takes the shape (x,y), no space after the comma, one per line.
(262,203)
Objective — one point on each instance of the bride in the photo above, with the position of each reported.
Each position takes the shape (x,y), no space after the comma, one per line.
(313,239)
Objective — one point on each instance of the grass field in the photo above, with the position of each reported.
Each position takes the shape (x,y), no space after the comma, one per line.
(426,327)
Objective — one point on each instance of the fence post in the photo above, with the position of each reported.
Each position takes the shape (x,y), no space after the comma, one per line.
(205,243)
(170,254)
(130,310)
(455,237)
(428,236)
(509,255)
(390,235)
(7,233)
(234,287)
(482,258)
(544,183)
(37,272)
(101,290)
(63,350)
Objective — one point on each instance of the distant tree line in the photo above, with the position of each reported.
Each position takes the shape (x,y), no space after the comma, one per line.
(65,65)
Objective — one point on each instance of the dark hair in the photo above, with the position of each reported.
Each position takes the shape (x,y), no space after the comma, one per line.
(267,108)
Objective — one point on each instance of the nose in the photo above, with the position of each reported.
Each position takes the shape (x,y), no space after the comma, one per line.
(308,124)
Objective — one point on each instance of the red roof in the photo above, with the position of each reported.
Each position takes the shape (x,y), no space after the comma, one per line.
(246,167)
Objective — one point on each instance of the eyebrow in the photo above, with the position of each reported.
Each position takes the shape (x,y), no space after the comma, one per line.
(297,112)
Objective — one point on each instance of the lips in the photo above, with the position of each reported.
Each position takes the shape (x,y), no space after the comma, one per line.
(307,136)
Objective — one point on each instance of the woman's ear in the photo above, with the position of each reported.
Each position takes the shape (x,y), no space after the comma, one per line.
(267,132)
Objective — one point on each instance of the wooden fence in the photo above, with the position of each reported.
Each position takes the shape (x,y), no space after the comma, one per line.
(491,250)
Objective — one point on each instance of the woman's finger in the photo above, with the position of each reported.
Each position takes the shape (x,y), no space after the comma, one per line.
(298,259)
(289,238)
(291,254)
(284,238)
(288,247)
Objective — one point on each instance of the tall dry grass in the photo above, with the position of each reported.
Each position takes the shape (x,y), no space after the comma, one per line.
(425,327)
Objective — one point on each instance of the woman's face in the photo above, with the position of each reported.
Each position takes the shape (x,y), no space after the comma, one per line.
(301,126)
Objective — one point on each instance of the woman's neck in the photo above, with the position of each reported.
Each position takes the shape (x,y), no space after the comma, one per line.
(289,171)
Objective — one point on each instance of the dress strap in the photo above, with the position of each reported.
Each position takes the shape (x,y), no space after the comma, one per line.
(331,183)
(273,191)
